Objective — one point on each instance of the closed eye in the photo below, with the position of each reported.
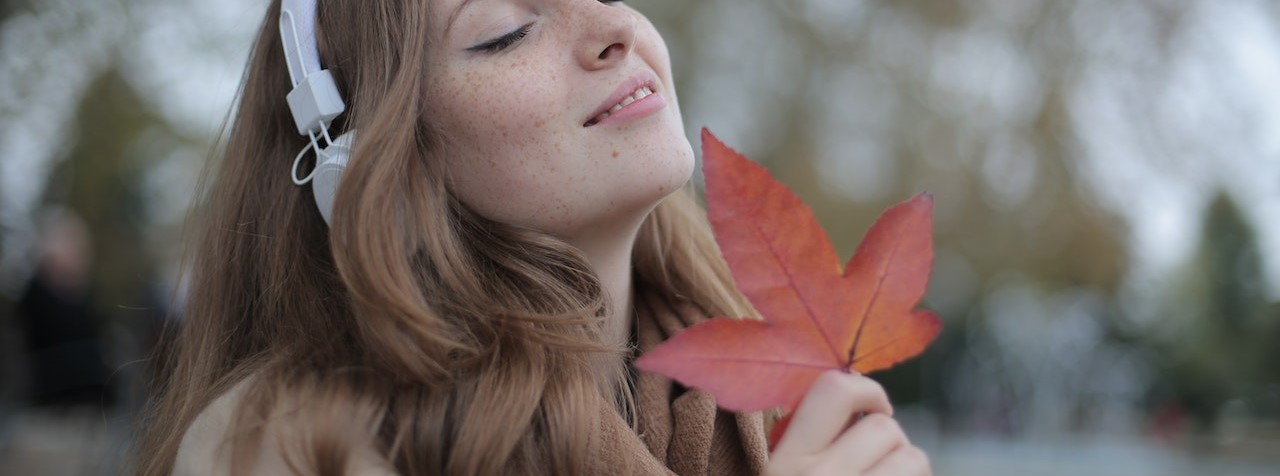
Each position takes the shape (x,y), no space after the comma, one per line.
(503,42)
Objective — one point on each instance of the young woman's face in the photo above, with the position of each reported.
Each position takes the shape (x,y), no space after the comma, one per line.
(525,92)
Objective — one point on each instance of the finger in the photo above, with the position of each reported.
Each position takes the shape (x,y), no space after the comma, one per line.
(868,442)
(907,460)
(827,408)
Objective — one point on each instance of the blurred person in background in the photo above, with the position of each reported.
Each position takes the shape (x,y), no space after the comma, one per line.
(512,229)
(62,334)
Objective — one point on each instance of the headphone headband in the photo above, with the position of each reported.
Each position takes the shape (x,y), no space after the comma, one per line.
(298,32)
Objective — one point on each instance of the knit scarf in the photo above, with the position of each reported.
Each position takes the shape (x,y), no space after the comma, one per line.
(680,430)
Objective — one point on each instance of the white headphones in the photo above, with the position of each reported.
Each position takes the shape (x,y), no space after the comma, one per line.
(314,102)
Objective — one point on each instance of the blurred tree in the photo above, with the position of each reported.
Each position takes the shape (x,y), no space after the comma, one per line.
(7,8)
(1232,263)
(1223,345)
(100,178)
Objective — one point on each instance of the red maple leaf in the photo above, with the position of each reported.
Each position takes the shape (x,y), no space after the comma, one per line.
(816,315)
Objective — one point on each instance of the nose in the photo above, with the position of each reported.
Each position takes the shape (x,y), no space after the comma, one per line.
(609,34)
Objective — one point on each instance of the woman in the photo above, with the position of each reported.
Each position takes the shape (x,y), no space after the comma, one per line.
(505,239)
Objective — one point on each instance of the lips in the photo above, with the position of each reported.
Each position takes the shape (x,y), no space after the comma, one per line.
(638,87)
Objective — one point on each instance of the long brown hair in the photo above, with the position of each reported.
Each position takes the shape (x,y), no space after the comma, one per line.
(449,343)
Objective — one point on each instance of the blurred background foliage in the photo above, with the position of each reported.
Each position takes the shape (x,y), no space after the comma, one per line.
(1107,177)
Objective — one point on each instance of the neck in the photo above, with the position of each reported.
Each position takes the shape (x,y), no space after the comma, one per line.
(610,258)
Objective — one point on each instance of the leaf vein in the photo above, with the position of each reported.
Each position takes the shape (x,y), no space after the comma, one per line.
(866,312)
(745,360)
(875,350)
(791,282)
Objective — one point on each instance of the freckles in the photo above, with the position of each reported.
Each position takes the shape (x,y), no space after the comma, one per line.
(564,212)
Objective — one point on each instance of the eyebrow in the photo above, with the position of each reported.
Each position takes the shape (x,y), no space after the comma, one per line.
(454,16)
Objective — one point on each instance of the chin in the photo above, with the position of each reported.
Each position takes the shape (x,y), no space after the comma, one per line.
(678,148)
(679,166)
(663,171)
(659,165)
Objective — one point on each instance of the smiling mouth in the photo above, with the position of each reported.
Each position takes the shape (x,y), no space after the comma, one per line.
(644,92)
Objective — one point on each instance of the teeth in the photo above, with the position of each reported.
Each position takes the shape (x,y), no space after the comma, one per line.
(638,95)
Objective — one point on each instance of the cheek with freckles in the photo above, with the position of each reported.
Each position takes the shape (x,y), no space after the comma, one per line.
(506,158)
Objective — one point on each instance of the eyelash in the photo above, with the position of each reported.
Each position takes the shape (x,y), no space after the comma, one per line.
(505,41)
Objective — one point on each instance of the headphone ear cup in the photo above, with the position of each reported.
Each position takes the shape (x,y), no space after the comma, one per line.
(328,173)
